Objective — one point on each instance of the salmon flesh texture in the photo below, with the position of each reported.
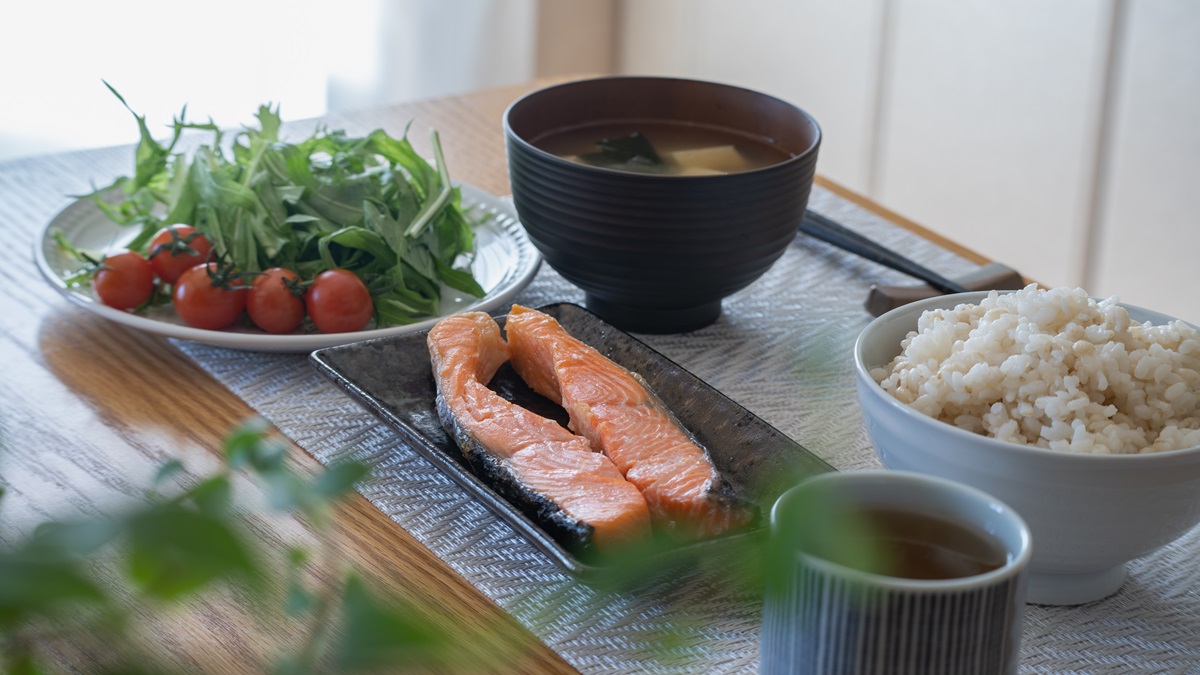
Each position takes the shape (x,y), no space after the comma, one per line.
(616,410)
(550,473)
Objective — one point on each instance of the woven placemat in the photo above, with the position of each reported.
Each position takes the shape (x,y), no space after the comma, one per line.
(782,349)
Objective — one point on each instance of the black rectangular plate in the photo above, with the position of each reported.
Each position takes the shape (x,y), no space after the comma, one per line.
(392,377)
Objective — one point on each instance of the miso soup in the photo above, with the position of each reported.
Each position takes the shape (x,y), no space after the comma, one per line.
(665,148)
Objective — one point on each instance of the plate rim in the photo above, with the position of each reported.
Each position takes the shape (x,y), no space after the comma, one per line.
(525,267)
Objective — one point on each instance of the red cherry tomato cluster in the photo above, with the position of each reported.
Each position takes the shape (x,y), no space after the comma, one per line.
(212,296)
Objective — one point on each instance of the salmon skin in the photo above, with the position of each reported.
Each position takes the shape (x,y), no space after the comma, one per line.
(619,413)
(551,474)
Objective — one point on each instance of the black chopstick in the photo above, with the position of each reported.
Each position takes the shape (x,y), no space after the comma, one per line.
(831,232)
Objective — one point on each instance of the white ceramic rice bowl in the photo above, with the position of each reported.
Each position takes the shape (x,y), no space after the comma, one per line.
(1089,514)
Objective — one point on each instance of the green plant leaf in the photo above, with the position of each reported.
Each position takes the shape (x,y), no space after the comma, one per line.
(375,635)
(339,479)
(286,491)
(39,583)
(252,445)
(459,279)
(213,495)
(176,551)
(269,122)
(357,239)
(168,469)
(403,306)
(24,664)
(150,155)
(298,600)
(72,539)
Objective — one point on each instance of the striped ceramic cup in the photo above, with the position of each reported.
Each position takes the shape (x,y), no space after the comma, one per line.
(889,573)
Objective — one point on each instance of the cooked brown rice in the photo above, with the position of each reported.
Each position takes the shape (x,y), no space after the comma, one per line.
(1054,369)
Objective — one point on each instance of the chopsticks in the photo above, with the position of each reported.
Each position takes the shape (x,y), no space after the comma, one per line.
(831,232)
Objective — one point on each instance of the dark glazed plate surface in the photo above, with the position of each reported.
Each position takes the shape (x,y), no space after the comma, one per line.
(392,378)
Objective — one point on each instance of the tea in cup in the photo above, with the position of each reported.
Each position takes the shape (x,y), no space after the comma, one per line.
(893,572)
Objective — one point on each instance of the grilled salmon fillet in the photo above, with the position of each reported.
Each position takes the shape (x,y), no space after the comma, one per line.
(617,411)
(550,473)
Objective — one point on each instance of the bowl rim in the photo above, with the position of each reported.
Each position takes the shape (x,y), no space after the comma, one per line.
(1016,563)
(604,171)
(914,310)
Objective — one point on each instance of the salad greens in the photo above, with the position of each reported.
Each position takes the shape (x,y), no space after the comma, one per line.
(369,204)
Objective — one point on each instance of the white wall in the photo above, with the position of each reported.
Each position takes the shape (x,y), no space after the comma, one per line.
(821,55)
(1148,201)
(223,58)
(989,127)
(426,48)
(1059,137)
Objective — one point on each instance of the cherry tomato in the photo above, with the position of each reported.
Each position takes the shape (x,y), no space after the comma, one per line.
(207,296)
(339,302)
(124,280)
(271,303)
(176,249)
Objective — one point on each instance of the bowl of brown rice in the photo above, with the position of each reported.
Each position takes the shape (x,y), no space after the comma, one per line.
(1083,414)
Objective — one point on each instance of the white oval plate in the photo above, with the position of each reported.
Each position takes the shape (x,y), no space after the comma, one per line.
(505,263)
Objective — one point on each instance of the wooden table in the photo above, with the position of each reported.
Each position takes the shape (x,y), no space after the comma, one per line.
(84,427)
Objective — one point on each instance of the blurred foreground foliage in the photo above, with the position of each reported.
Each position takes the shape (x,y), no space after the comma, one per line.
(91,581)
